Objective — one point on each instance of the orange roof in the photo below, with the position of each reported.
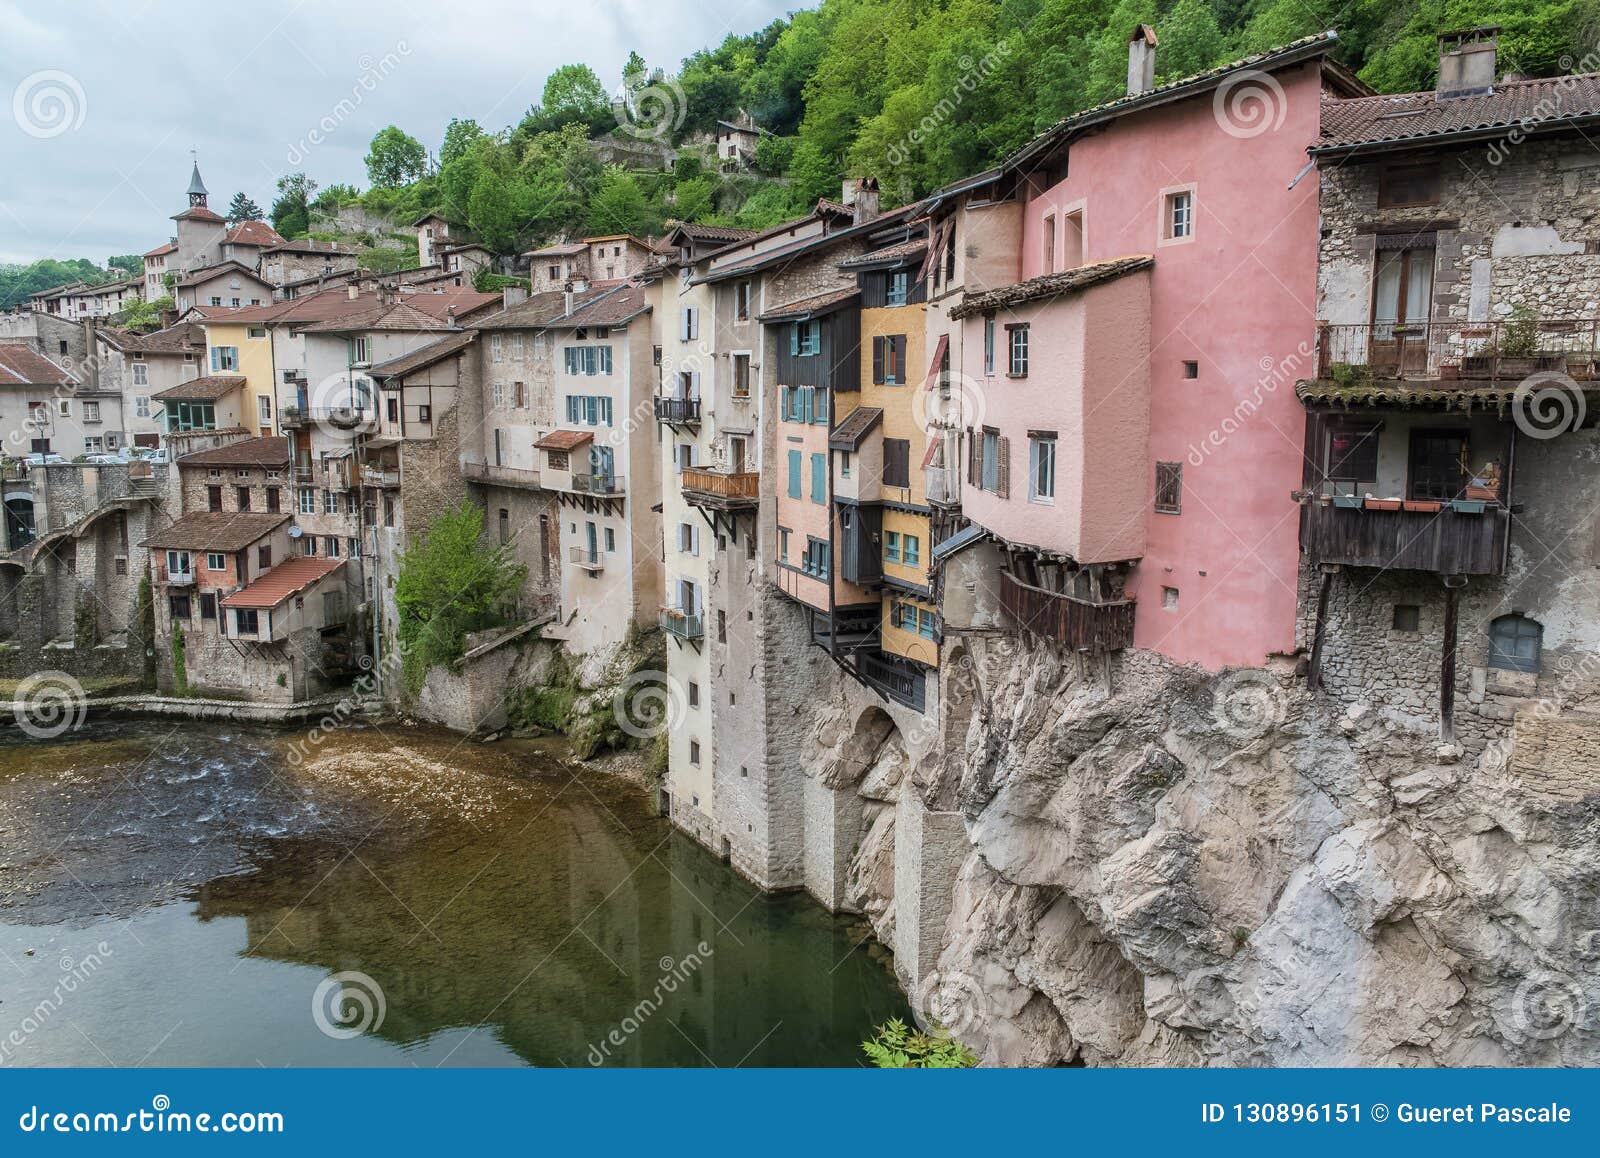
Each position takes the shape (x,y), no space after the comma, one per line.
(286,579)
(564,440)
(253,233)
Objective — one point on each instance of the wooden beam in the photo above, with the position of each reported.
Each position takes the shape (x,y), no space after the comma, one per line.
(1314,678)
(1447,663)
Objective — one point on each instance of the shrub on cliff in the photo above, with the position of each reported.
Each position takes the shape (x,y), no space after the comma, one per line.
(897,1046)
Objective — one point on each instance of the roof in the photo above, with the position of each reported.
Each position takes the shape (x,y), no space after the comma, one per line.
(1051,285)
(180,338)
(537,310)
(206,273)
(713,232)
(216,530)
(617,237)
(611,307)
(421,359)
(564,439)
(1306,48)
(965,537)
(197,187)
(1372,123)
(463,246)
(465,302)
(738,128)
(22,365)
(431,215)
(1460,395)
(265,451)
(892,255)
(859,423)
(804,245)
(810,307)
(309,246)
(253,233)
(160,250)
(560,249)
(290,577)
(207,389)
(199,213)
(397,316)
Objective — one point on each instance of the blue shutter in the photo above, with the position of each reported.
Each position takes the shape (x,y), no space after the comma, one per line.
(794,339)
(783,402)
(819,478)
(794,474)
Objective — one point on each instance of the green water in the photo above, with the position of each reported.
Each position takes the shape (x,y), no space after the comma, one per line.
(196,895)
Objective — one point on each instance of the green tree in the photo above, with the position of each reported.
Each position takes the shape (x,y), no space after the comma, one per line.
(127,264)
(573,94)
(458,137)
(291,212)
(492,212)
(451,583)
(618,204)
(241,208)
(394,158)
(693,199)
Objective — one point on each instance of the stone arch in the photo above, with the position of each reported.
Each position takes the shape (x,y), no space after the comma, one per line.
(873,729)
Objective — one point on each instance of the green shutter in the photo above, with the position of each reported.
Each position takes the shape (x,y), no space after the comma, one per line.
(819,478)
(794,474)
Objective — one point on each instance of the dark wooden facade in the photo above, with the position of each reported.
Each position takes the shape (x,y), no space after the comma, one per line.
(1081,624)
(1444,541)
(837,364)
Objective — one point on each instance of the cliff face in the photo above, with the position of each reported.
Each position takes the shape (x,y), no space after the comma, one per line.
(1192,870)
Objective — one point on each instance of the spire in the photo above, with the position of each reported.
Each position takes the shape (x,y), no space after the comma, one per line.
(197,187)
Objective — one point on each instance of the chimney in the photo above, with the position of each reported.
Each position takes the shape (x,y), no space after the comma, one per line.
(352,291)
(1467,62)
(1141,60)
(865,202)
(450,315)
(566,298)
(513,295)
(847,191)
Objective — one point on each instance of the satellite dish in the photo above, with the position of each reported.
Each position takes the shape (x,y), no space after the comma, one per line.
(295,532)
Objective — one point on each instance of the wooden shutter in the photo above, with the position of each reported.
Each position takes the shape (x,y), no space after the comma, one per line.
(1002,486)
(877,360)
(972,458)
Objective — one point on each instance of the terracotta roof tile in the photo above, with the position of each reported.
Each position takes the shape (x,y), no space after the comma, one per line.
(809,307)
(1051,285)
(264,451)
(207,389)
(612,307)
(162,250)
(253,233)
(893,254)
(859,423)
(426,356)
(206,273)
(22,365)
(199,213)
(290,577)
(216,531)
(1383,120)
(564,440)
(309,246)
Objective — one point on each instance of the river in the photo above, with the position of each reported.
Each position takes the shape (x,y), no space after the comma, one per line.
(206,894)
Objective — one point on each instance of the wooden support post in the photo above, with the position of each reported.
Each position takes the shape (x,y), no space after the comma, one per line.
(1447,663)
(1314,676)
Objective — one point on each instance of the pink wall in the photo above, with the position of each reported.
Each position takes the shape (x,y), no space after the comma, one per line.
(1239,298)
(1087,381)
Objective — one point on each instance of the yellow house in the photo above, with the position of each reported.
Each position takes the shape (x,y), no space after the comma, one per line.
(892,442)
(238,343)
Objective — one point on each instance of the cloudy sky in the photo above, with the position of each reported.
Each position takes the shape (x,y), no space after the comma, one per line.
(107,99)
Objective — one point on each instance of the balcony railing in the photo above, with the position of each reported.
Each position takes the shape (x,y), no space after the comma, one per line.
(372,476)
(587,559)
(721,488)
(180,578)
(683,624)
(598,484)
(510,476)
(899,680)
(1498,351)
(291,417)
(1080,624)
(678,411)
(1429,536)
(943,485)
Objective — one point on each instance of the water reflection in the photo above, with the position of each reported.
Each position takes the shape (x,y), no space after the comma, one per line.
(509,911)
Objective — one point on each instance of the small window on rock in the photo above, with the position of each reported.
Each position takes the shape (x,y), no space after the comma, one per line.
(1407,617)
(1191,369)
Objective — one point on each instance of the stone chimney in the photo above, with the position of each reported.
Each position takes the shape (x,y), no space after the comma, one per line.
(865,202)
(352,291)
(1141,60)
(450,315)
(1467,62)
(847,191)
(513,295)
(566,298)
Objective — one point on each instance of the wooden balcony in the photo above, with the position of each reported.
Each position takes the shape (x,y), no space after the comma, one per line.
(602,485)
(677,411)
(506,476)
(943,485)
(722,490)
(895,678)
(1497,351)
(1444,541)
(1077,623)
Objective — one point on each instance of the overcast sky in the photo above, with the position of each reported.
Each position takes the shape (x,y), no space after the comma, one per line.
(105,100)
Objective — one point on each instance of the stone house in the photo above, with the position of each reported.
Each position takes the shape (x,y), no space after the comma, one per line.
(47,409)
(286,262)
(137,367)
(1450,417)
(229,284)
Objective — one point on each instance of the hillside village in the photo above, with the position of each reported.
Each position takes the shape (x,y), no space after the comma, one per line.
(968,563)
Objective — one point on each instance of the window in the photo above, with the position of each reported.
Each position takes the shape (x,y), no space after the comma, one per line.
(224,358)
(587,360)
(911,550)
(497,351)
(588,410)
(819,478)
(1436,464)
(272,500)
(896,288)
(1017,350)
(141,374)
(805,339)
(1169,599)
(1169,487)
(694,694)
(519,395)
(994,467)
(498,393)
(1515,642)
(264,556)
(264,410)
(927,623)
(558,460)
(91,412)
(988,344)
(330,546)
(1177,215)
(1049,254)
(177,563)
(1402,295)
(1407,616)
(722,626)
(694,751)
(783,544)
(611,539)
(425,414)
(1191,369)
(889,359)
(741,301)
(741,375)
(1042,467)
(258,331)
(516,346)
(1352,458)
(308,545)
(307,501)
(844,464)
(178,606)
(208,605)
(141,406)
(688,539)
(897,462)
(817,560)
(243,495)
(1402,185)
(216,561)
(689,324)
(505,526)
(246,621)
(358,351)
(891,546)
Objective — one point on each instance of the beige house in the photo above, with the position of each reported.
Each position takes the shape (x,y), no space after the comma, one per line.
(228,284)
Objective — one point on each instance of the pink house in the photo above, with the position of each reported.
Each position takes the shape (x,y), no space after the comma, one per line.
(1164,308)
